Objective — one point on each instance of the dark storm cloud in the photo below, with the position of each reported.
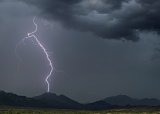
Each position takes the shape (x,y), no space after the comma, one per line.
(114,4)
(109,19)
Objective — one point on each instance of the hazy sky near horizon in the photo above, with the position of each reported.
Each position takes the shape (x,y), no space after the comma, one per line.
(103,47)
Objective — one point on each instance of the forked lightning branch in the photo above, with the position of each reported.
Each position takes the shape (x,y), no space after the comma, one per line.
(31,36)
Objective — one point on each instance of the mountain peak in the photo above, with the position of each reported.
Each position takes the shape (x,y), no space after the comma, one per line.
(47,95)
(121,100)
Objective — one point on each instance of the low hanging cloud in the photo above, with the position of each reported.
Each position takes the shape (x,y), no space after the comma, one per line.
(109,19)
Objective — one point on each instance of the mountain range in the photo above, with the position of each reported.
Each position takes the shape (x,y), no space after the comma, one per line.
(123,100)
(51,100)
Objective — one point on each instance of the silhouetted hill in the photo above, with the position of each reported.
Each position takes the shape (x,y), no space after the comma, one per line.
(51,100)
(123,100)
(149,102)
(98,105)
(10,99)
(46,100)
(120,100)
(48,96)
(60,101)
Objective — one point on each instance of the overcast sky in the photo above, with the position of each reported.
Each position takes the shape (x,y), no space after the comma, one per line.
(103,47)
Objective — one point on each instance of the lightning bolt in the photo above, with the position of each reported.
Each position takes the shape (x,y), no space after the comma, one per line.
(37,42)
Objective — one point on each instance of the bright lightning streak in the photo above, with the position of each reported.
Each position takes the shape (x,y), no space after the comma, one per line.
(31,35)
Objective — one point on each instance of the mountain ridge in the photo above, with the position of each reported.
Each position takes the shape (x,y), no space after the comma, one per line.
(52,100)
(123,100)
